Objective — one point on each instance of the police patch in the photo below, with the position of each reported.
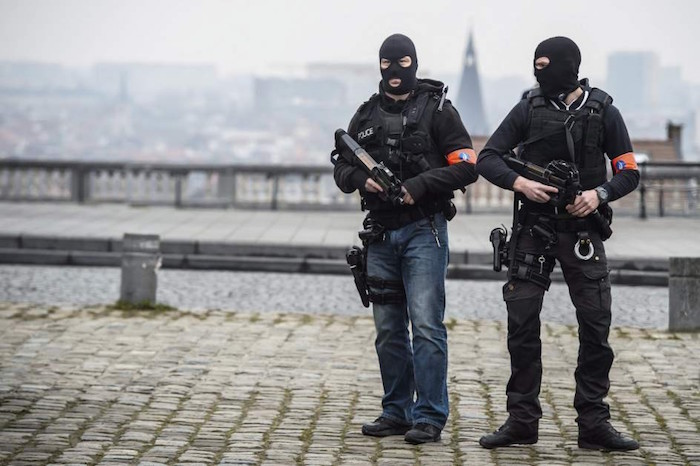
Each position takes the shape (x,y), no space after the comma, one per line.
(464,156)
(620,165)
(366,133)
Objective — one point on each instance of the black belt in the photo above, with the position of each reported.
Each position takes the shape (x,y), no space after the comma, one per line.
(395,219)
(566,224)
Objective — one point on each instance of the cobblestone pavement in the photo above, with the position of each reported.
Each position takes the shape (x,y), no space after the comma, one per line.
(90,385)
(312,294)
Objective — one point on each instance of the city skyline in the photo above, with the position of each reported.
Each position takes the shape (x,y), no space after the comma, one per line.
(270,37)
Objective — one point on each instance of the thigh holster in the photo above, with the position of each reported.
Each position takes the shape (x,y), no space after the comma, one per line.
(533,268)
(394,294)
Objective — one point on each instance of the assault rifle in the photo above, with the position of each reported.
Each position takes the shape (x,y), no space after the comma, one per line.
(391,185)
(562,175)
(558,173)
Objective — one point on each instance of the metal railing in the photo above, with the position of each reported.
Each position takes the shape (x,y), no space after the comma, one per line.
(672,186)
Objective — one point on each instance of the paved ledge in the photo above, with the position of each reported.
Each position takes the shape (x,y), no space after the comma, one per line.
(297,242)
(281,263)
(94,386)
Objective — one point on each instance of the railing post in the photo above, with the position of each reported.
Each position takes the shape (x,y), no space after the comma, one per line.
(468,200)
(234,188)
(642,193)
(227,185)
(178,189)
(79,191)
(661,198)
(692,186)
(275,190)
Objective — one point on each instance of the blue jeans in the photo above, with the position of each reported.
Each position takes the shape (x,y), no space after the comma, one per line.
(411,254)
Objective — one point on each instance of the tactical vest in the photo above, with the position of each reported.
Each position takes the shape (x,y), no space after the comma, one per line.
(556,134)
(401,140)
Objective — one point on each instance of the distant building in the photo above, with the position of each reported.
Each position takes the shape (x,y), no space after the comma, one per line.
(633,80)
(149,80)
(668,149)
(35,76)
(286,93)
(673,92)
(470,103)
(360,80)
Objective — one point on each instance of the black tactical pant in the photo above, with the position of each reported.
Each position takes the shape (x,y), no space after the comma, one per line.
(589,288)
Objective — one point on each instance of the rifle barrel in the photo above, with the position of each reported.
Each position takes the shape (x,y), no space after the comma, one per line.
(359,152)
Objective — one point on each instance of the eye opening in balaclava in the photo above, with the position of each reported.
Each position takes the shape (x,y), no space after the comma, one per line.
(394,48)
(561,75)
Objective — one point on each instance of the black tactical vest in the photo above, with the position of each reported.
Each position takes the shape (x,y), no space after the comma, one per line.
(401,140)
(555,134)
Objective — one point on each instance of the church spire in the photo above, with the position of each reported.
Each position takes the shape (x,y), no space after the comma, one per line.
(470,103)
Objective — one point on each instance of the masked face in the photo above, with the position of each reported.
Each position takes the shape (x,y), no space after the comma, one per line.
(560,76)
(398,64)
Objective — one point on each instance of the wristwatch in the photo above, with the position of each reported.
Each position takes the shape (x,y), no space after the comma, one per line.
(602,194)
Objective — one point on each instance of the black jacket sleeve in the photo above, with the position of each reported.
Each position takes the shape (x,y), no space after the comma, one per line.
(449,134)
(349,176)
(508,135)
(617,142)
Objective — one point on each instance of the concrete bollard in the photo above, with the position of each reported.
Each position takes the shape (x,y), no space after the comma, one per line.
(684,294)
(140,262)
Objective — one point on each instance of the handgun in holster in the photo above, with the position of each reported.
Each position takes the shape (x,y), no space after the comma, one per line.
(499,242)
(356,260)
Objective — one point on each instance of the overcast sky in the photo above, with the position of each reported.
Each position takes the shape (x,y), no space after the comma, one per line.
(257,36)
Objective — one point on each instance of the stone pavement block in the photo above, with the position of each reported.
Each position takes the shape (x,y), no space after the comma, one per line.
(277,389)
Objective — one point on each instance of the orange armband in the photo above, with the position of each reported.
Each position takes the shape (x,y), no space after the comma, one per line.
(461,155)
(624,162)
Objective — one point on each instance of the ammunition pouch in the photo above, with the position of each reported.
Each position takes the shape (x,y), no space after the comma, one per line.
(525,266)
(602,221)
(416,143)
(449,211)
(544,230)
(373,231)
(531,267)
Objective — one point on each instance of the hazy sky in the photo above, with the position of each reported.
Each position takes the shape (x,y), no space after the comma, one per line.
(257,36)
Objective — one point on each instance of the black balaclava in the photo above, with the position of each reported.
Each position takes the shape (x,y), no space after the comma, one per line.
(561,75)
(393,49)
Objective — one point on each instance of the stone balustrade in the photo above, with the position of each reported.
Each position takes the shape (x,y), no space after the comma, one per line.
(666,188)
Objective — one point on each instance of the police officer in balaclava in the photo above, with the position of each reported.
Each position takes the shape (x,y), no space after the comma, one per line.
(412,128)
(569,125)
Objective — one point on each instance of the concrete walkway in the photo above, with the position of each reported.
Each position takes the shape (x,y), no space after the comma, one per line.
(98,228)
(93,386)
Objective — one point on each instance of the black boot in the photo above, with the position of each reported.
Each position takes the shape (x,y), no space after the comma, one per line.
(383,427)
(510,433)
(606,438)
(423,433)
